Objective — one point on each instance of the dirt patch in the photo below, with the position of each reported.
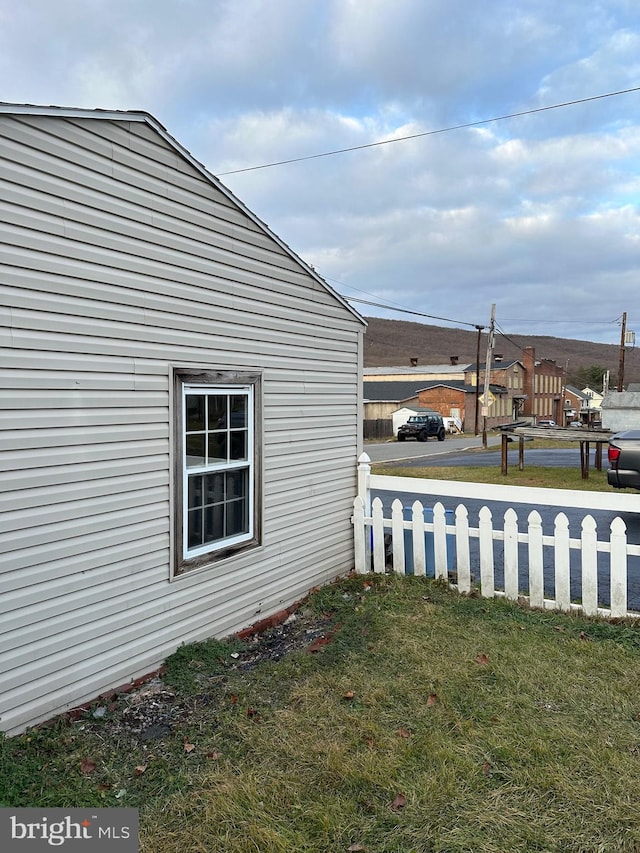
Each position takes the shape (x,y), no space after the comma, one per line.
(152,711)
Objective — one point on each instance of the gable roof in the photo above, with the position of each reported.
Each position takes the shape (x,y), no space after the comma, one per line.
(419,370)
(576,392)
(498,365)
(391,392)
(459,385)
(154,124)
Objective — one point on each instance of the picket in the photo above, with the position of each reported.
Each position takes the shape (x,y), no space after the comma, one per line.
(511,555)
(536,560)
(399,544)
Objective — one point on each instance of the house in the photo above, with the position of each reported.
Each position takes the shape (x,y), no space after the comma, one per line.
(181,406)
(457,401)
(506,399)
(592,410)
(575,403)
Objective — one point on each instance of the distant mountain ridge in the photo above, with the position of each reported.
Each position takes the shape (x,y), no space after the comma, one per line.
(394,343)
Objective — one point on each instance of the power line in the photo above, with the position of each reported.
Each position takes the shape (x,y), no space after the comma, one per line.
(433,132)
(409,311)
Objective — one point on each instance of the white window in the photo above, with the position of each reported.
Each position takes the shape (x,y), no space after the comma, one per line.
(216,477)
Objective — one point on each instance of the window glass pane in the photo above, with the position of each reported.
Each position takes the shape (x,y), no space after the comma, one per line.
(194,528)
(195,450)
(214,488)
(217,411)
(195,491)
(217,446)
(238,444)
(237,517)
(195,412)
(214,523)
(238,411)
(237,482)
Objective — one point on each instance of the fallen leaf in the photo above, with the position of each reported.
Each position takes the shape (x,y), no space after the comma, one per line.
(399,803)
(87,767)
(104,787)
(234,699)
(140,769)
(214,756)
(319,642)
(252,713)
(370,742)
(486,768)
(350,694)
(356,848)
(481,659)
(404,732)
(583,636)
(432,699)
(189,747)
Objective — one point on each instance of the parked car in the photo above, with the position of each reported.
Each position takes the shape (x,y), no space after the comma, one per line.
(576,424)
(547,423)
(422,427)
(624,460)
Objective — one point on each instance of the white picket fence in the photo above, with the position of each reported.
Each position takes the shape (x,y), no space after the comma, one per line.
(404,542)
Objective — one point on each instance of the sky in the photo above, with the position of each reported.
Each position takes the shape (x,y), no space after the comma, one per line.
(537,214)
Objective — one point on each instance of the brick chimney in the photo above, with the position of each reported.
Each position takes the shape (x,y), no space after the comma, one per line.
(413,362)
(453,359)
(528,386)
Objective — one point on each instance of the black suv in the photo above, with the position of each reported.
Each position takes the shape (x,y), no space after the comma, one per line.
(422,427)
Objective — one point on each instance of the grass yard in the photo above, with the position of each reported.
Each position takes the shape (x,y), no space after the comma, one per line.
(392,715)
(533,475)
(548,478)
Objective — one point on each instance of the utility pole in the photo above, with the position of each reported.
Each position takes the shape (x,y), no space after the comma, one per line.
(475,422)
(487,374)
(623,337)
(563,417)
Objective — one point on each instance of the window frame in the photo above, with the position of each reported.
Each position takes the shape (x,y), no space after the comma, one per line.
(212,382)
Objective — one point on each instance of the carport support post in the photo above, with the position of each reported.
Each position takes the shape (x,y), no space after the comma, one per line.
(584,459)
(505,447)
(521,453)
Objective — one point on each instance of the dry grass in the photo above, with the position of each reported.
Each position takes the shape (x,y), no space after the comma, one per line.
(430,722)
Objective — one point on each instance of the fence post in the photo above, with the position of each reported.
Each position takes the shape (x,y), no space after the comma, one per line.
(364,492)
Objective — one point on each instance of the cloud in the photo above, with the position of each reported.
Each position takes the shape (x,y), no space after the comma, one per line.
(538,214)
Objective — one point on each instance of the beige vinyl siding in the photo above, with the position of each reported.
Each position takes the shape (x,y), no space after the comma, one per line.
(120,258)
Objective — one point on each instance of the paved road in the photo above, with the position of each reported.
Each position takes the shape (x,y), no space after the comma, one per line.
(399,451)
(455,451)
